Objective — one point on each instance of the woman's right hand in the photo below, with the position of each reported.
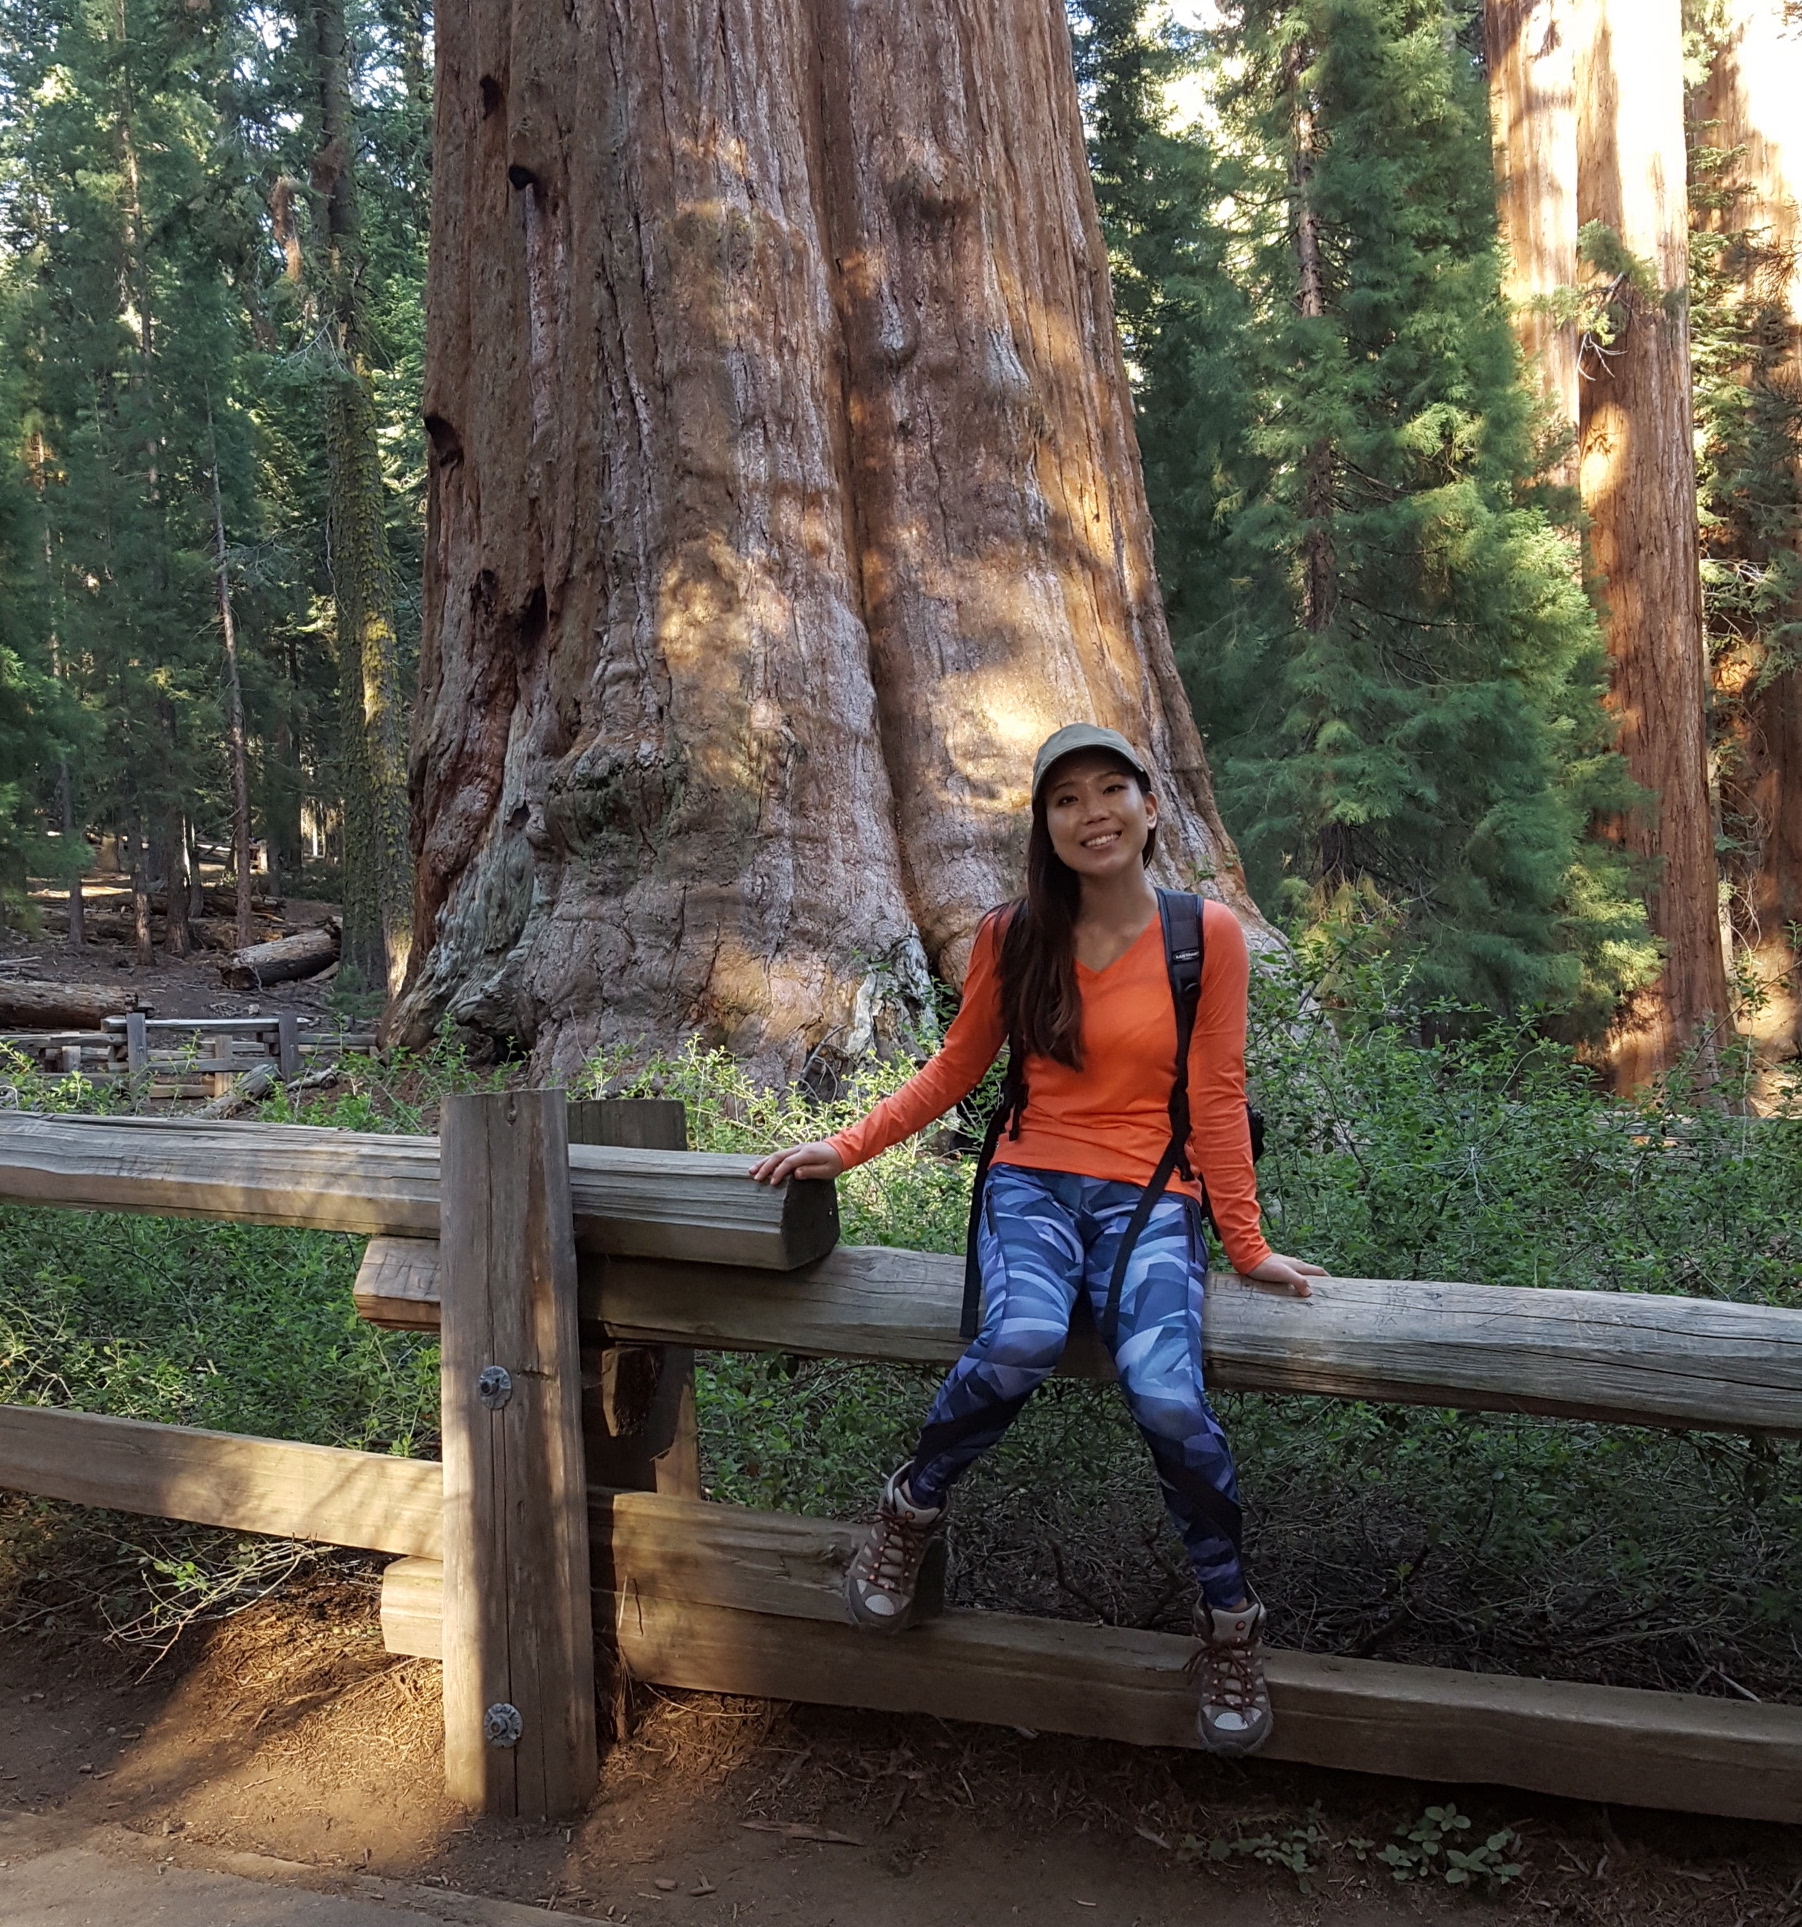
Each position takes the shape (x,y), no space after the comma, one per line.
(804,1161)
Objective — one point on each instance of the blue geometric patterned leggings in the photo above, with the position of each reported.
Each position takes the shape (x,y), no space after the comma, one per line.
(1044,1236)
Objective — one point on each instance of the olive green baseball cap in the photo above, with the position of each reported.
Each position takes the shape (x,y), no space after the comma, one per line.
(1074,736)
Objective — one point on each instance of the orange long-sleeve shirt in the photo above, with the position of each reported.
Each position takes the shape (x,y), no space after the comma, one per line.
(1111,1119)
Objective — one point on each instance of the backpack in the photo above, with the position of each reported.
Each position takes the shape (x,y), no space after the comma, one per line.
(1180,913)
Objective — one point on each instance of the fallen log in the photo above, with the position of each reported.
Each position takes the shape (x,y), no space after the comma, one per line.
(38,1006)
(286,960)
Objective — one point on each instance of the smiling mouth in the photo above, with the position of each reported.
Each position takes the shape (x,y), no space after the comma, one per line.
(1101,842)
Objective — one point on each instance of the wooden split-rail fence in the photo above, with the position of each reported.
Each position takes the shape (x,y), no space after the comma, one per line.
(573,1256)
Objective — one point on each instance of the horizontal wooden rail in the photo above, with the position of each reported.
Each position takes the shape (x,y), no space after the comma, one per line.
(289,1491)
(728,1601)
(1627,1358)
(692,1205)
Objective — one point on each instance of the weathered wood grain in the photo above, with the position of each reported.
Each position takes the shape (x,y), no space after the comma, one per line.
(1630,1358)
(518,1631)
(1582,1742)
(691,1205)
(397,1284)
(220,1479)
(413,1607)
(639,1426)
(1626,1358)
(730,1601)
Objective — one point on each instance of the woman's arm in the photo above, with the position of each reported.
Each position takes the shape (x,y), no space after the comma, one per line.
(946,1078)
(1219,1135)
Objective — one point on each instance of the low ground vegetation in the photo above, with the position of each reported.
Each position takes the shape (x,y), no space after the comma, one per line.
(1399,1147)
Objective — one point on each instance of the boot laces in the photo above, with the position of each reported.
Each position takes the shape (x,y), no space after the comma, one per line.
(1231,1670)
(891,1555)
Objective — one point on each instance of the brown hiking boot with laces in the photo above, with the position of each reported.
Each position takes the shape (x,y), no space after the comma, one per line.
(897,1576)
(1234,1717)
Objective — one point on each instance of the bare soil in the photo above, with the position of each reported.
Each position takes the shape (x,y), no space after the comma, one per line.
(174,986)
(287,1731)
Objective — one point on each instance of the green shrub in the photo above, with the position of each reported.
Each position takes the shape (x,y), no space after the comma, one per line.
(1484,1153)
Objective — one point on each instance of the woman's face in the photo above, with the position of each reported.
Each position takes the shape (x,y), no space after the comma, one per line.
(1098,816)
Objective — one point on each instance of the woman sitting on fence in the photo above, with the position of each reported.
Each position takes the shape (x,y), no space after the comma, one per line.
(1097,1186)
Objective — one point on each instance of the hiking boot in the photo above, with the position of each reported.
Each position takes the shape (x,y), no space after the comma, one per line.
(1234,1716)
(897,1576)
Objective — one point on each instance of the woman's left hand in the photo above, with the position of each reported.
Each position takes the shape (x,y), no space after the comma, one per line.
(1293,1272)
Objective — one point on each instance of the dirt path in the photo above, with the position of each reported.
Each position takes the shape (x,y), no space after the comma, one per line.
(287,1733)
(62,1876)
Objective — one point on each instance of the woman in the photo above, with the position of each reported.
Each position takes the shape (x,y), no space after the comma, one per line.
(1077,972)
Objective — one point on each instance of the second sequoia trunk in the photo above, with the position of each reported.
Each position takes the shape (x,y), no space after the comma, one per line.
(1745,122)
(1638,480)
(784,495)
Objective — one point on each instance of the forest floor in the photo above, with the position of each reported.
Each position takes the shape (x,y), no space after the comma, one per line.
(286,1745)
(172,986)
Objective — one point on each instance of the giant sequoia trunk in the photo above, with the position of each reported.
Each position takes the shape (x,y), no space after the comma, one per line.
(1637,474)
(784,495)
(1533,122)
(1748,107)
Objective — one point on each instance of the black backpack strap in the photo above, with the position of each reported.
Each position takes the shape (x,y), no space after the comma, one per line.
(1185,952)
(1184,955)
(1005,1117)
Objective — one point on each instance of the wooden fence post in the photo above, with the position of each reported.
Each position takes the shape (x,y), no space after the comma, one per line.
(519,1713)
(638,1401)
(137,1046)
(288,1064)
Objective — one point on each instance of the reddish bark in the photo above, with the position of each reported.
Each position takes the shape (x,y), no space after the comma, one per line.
(784,495)
(1532,103)
(1747,108)
(1637,474)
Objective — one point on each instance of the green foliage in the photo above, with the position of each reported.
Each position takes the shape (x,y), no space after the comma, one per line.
(1391,1158)
(154,170)
(1376,606)
(232,1327)
(1474,1539)
(1423,1852)
(1298,1850)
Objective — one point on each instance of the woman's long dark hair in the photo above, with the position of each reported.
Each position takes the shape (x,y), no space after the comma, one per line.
(1040,1000)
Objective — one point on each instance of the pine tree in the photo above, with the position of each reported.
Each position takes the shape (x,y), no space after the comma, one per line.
(1378,611)
(117,322)
(377,865)
(158,169)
